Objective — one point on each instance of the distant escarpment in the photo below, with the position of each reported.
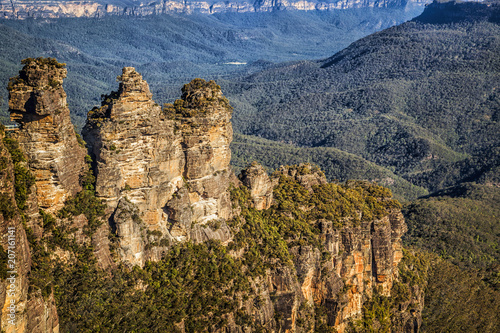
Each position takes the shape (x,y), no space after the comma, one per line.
(154,224)
(53,9)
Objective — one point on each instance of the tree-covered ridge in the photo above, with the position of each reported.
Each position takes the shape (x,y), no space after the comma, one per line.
(456,300)
(170,50)
(298,212)
(410,98)
(337,164)
(462,225)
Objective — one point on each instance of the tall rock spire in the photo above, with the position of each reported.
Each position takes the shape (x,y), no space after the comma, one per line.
(164,174)
(37,101)
(203,117)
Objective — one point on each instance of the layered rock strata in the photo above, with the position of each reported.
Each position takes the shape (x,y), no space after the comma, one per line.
(258,182)
(20,313)
(164,174)
(37,102)
(364,258)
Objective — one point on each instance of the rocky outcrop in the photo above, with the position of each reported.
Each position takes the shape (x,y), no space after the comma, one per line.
(359,260)
(260,185)
(139,163)
(365,257)
(167,168)
(164,176)
(305,174)
(42,315)
(20,313)
(52,9)
(37,102)
(203,119)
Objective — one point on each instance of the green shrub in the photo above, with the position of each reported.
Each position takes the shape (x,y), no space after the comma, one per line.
(84,202)
(7,208)
(24,180)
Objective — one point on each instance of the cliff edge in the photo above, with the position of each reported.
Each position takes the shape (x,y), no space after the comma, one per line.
(37,102)
(54,9)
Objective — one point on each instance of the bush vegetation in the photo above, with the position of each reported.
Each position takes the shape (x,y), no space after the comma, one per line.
(461,224)
(409,112)
(337,164)
(24,180)
(457,300)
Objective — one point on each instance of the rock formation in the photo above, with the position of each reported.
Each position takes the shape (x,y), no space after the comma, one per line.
(164,177)
(306,175)
(203,119)
(172,165)
(52,9)
(32,314)
(261,188)
(37,102)
(363,259)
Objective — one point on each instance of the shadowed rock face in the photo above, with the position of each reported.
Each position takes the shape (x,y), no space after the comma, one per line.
(171,165)
(37,102)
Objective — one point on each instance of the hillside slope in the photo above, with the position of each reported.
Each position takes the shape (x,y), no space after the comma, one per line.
(337,164)
(410,98)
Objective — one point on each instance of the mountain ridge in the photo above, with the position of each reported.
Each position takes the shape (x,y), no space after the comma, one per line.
(54,9)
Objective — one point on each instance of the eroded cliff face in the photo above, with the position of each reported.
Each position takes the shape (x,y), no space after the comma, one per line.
(53,9)
(359,259)
(255,177)
(164,174)
(20,312)
(37,102)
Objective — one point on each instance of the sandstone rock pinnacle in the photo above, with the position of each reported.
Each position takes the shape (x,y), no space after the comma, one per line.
(37,102)
(260,185)
(169,169)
